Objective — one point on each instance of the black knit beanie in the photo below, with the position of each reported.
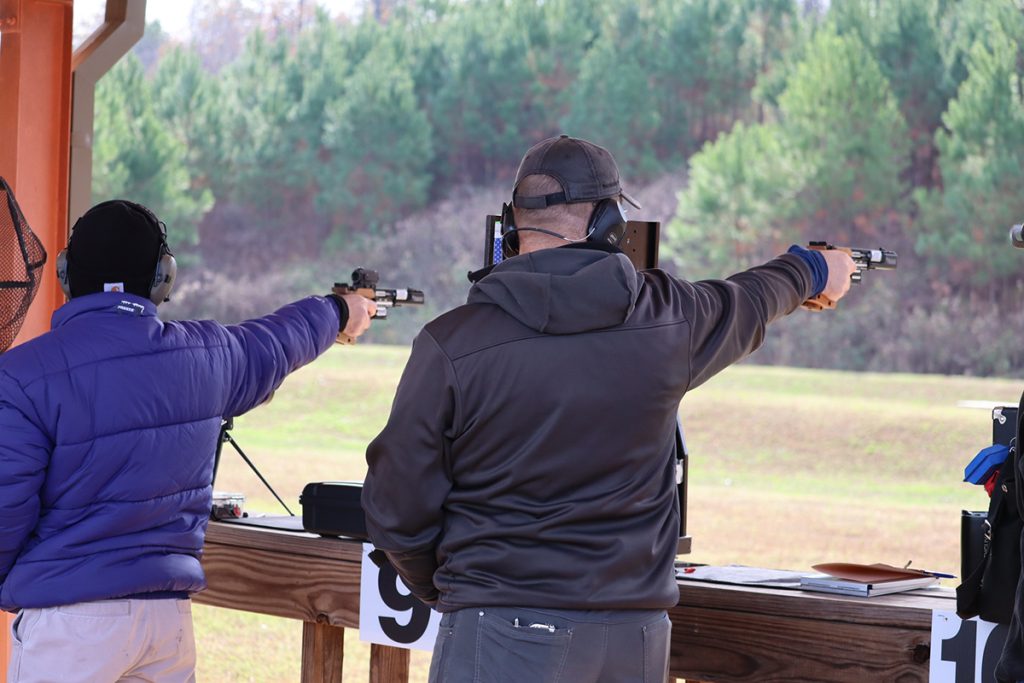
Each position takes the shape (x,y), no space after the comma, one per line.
(114,243)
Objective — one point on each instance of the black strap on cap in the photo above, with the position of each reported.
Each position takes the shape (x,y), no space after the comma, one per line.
(539,202)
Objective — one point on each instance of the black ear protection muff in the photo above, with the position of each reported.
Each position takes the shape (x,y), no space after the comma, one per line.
(509,234)
(607,222)
(164,272)
(607,225)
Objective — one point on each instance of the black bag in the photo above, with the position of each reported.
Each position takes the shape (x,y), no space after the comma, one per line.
(988,590)
(1010,667)
(973,530)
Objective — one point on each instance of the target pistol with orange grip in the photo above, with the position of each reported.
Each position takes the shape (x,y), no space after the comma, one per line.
(864,259)
(364,283)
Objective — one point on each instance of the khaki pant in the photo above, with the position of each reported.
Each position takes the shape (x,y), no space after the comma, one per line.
(103,642)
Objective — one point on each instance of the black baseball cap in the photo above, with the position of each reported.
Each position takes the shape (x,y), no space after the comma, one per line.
(586,172)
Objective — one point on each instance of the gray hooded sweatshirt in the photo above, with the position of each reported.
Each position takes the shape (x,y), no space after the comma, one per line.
(529,456)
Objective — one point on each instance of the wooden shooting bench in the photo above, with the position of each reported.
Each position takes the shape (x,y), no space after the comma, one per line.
(721,633)
(742,634)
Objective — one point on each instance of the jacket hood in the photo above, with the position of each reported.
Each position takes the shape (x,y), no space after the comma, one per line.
(564,290)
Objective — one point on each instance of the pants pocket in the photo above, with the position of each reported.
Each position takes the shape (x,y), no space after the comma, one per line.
(657,641)
(508,652)
(19,631)
(442,646)
(16,634)
(22,625)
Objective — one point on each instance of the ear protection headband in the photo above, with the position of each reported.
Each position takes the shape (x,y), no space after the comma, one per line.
(607,224)
(164,272)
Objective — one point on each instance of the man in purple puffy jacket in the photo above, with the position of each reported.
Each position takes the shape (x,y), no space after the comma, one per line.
(108,428)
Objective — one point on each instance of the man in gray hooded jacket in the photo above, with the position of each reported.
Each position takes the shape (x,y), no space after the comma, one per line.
(524,484)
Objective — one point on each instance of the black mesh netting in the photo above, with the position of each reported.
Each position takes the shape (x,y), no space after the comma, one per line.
(21,266)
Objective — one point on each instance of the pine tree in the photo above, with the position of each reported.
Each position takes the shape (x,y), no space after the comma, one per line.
(964,227)
(137,157)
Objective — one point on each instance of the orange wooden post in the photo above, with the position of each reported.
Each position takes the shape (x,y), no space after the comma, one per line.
(35,129)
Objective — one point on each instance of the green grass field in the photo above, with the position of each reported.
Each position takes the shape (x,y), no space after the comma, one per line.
(788,468)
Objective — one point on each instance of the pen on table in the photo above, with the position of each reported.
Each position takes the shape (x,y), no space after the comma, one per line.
(938,575)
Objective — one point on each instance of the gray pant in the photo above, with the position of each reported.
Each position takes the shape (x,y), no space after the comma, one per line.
(496,644)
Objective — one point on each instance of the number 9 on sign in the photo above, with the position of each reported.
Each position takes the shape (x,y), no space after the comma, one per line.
(388,613)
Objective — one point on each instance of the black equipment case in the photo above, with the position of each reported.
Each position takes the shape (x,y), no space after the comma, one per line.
(333,508)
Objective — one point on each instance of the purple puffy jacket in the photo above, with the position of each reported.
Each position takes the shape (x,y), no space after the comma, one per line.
(108,427)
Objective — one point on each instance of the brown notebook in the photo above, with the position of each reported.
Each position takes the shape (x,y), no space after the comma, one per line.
(868,573)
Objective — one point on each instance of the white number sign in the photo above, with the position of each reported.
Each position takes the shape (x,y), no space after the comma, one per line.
(964,651)
(388,613)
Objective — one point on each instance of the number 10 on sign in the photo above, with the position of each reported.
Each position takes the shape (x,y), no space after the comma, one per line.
(388,613)
(964,651)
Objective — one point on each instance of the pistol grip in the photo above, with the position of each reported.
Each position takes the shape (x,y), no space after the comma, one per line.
(819,303)
(342,290)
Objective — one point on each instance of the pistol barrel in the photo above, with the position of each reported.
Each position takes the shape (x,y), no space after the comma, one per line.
(875,259)
(1016,236)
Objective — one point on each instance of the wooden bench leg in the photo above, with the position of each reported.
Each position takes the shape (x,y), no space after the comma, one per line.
(323,650)
(388,664)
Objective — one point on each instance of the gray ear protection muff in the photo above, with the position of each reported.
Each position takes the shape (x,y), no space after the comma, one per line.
(62,272)
(163,276)
(164,272)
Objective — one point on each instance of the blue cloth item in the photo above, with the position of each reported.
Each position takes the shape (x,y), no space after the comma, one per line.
(498,253)
(981,466)
(108,427)
(817,264)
